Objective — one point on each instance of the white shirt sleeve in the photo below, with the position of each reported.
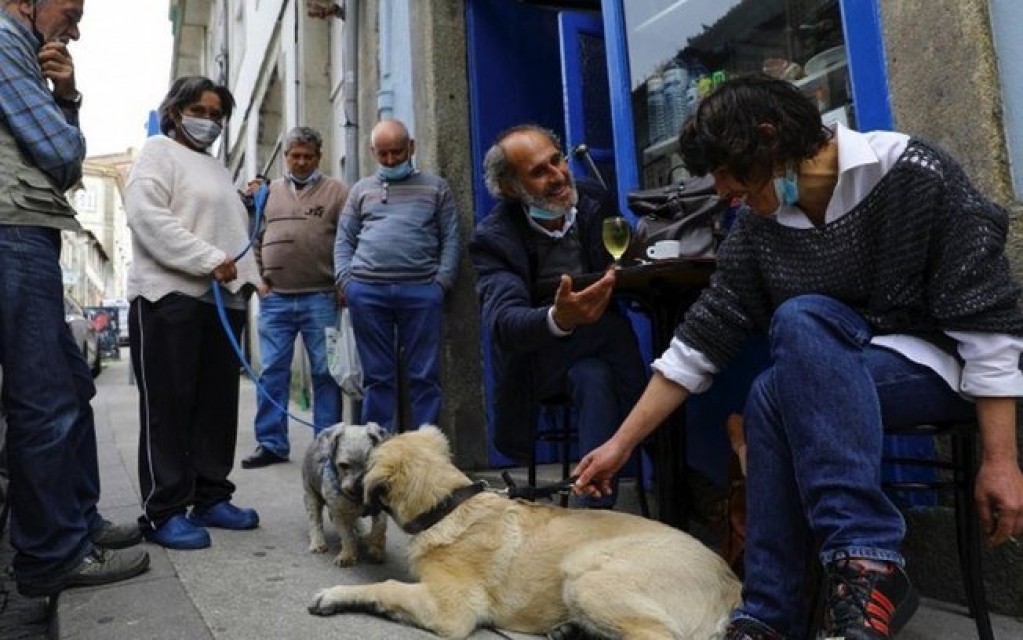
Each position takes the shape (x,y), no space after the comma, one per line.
(553,326)
(991,364)
(686,366)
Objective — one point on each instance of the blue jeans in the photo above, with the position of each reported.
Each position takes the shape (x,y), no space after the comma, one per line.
(281,318)
(814,428)
(47,387)
(393,319)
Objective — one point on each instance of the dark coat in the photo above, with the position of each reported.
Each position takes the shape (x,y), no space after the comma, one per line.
(501,250)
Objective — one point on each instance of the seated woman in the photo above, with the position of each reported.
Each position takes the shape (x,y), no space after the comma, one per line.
(880,274)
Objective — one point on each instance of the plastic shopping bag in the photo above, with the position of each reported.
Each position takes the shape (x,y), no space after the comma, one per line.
(343,356)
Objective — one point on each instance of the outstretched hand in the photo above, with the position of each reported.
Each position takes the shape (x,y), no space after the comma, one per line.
(576,308)
(597,468)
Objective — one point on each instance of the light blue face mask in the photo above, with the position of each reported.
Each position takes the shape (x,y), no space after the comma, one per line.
(786,187)
(536,213)
(397,172)
(312,177)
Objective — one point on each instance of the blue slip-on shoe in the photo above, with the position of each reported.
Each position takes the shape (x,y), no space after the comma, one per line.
(225,515)
(179,533)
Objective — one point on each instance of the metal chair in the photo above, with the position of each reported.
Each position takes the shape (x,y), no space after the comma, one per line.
(558,408)
(561,433)
(956,474)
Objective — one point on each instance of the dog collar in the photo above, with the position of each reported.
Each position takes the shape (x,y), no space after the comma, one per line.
(424,521)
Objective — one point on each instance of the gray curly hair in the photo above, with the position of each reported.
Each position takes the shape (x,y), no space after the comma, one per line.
(496,168)
(303,135)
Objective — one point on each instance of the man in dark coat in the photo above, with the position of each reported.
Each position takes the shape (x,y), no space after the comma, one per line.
(579,343)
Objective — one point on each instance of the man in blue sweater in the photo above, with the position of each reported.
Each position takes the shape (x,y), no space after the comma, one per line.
(395,258)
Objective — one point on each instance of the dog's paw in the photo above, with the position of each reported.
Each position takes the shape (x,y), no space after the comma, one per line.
(317,543)
(377,555)
(376,549)
(345,559)
(322,605)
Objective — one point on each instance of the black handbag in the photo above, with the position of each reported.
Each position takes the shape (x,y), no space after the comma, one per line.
(689,211)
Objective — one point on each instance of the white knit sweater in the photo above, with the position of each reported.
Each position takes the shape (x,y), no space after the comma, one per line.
(186,217)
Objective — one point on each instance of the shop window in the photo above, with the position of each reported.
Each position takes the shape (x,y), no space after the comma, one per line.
(1006,22)
(679,50)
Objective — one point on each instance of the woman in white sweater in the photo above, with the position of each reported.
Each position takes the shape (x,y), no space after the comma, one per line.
(187,225)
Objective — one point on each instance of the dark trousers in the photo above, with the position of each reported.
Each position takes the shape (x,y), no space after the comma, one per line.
(187,376)
(601,368)
(47,386)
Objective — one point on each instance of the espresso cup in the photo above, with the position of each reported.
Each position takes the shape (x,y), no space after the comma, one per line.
(664,250)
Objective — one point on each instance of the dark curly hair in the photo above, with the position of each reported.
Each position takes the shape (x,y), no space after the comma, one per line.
(725,131)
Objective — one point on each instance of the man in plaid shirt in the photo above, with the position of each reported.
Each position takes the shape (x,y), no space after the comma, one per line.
(59,538)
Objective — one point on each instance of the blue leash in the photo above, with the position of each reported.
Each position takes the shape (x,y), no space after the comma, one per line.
(260,201)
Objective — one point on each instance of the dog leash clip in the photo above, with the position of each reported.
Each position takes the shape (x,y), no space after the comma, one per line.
(531,493)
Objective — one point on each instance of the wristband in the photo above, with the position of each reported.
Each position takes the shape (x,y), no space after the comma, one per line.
(69,103)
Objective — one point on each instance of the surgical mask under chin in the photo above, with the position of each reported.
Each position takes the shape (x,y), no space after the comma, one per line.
(201,131)
(786,187)
(309,179)
(397,172)
(536,213)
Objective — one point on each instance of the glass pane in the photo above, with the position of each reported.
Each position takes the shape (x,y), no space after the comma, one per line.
(596,108)
(680,49)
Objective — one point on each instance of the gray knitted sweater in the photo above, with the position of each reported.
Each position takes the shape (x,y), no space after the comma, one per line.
(921,254)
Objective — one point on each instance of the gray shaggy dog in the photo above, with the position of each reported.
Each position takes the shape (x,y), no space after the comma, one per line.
(332,476)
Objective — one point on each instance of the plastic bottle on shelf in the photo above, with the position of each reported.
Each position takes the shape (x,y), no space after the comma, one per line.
(704,86)
(676,83)
(655,108)
(692,95)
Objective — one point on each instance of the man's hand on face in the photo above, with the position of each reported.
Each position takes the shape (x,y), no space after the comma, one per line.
(575,308)
(58,67)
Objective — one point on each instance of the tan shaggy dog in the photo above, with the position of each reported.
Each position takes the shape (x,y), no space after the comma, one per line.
(484,560)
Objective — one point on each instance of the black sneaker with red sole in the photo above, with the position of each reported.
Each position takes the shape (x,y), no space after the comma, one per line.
(866,604)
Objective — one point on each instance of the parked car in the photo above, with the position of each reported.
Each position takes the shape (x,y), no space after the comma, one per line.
(122,318)
(84,335)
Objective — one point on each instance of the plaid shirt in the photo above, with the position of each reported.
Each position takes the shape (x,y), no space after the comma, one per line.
(47,134)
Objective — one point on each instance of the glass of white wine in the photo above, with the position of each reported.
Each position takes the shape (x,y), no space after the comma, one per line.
(616,233)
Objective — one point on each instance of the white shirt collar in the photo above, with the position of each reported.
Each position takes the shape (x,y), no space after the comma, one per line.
(863,159)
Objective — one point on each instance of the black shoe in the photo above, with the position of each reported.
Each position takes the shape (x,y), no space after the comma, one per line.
(102,566)
(116,536)
(865,604)
(261,458)
(749,629)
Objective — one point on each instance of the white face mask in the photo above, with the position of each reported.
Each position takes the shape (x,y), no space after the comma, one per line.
(201,131)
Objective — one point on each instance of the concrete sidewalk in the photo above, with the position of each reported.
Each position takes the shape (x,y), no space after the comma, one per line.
(257,584)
